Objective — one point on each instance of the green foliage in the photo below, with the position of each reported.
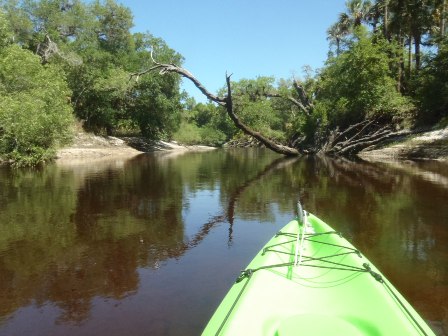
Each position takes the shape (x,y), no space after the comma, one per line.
(93,43)
(358,84)
(312,126)
(188,134)
(5,31)
(212,137)
(204,124)
(114,22)
(19,22)
(252,103)
(432,87)
(222,123)
(106,97)
(156,107)
(35,115)
(202,114)
(100,102)
(155,101)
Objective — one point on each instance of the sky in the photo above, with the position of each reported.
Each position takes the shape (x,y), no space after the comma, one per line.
(245,38)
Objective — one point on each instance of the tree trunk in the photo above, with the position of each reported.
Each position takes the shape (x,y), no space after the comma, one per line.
(400,69)
(410,58)
(386,20)
(403,82)
(443,19)
(417,42)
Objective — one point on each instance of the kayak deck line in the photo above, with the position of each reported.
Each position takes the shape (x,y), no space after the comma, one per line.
(247,273)
(338,266)
(378,277)
(320,250)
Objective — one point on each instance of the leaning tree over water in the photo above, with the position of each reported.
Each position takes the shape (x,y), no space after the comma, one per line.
(352,137)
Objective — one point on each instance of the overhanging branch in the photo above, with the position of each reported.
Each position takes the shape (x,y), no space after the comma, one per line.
(165,68)
(226,102)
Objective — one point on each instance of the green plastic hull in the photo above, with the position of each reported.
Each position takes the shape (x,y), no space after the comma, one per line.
(308,280)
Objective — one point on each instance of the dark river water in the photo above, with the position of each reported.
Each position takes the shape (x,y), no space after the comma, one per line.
(149,246)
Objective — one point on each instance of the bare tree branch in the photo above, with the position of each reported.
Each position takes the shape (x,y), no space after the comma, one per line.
(164,68)
(225,102)
(360,136)
(297,103)
(347,142)
(49,48)
(302,95)
(360,145)
(338,135)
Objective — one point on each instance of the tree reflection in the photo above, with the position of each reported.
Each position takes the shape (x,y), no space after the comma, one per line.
(68,236)
(395,216)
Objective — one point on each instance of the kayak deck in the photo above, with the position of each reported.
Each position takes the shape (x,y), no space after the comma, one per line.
(308,280)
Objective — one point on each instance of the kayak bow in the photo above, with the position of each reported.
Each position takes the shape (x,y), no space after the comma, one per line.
(309,280)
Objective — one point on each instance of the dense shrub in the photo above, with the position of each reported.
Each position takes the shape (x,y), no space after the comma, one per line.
(35,114)
(212,137)
(188,134)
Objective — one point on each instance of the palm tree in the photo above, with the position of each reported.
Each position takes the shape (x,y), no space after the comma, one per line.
(374,15)
(358,11)
(419,24)
(336,33)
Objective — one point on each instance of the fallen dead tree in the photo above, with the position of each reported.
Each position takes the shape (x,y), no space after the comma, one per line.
(347,142)
(363,135)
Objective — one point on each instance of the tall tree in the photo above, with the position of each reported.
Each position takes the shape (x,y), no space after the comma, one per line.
(419,24)
(114,22)
(18,20)
(335,34)
(358,11)
(359,83)
(432,87)
(443,13)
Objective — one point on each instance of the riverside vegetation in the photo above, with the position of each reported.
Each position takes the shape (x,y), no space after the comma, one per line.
(65,61)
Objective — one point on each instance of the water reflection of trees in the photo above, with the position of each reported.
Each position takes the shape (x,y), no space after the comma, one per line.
(397,216)
(65,240)
(67,237)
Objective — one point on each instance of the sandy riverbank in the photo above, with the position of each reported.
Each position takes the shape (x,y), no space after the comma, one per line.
(431,145)
(87,147)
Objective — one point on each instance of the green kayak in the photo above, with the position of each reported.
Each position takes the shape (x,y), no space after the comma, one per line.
(308,280)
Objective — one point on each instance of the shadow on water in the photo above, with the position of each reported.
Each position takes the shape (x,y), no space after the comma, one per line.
(139,246)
